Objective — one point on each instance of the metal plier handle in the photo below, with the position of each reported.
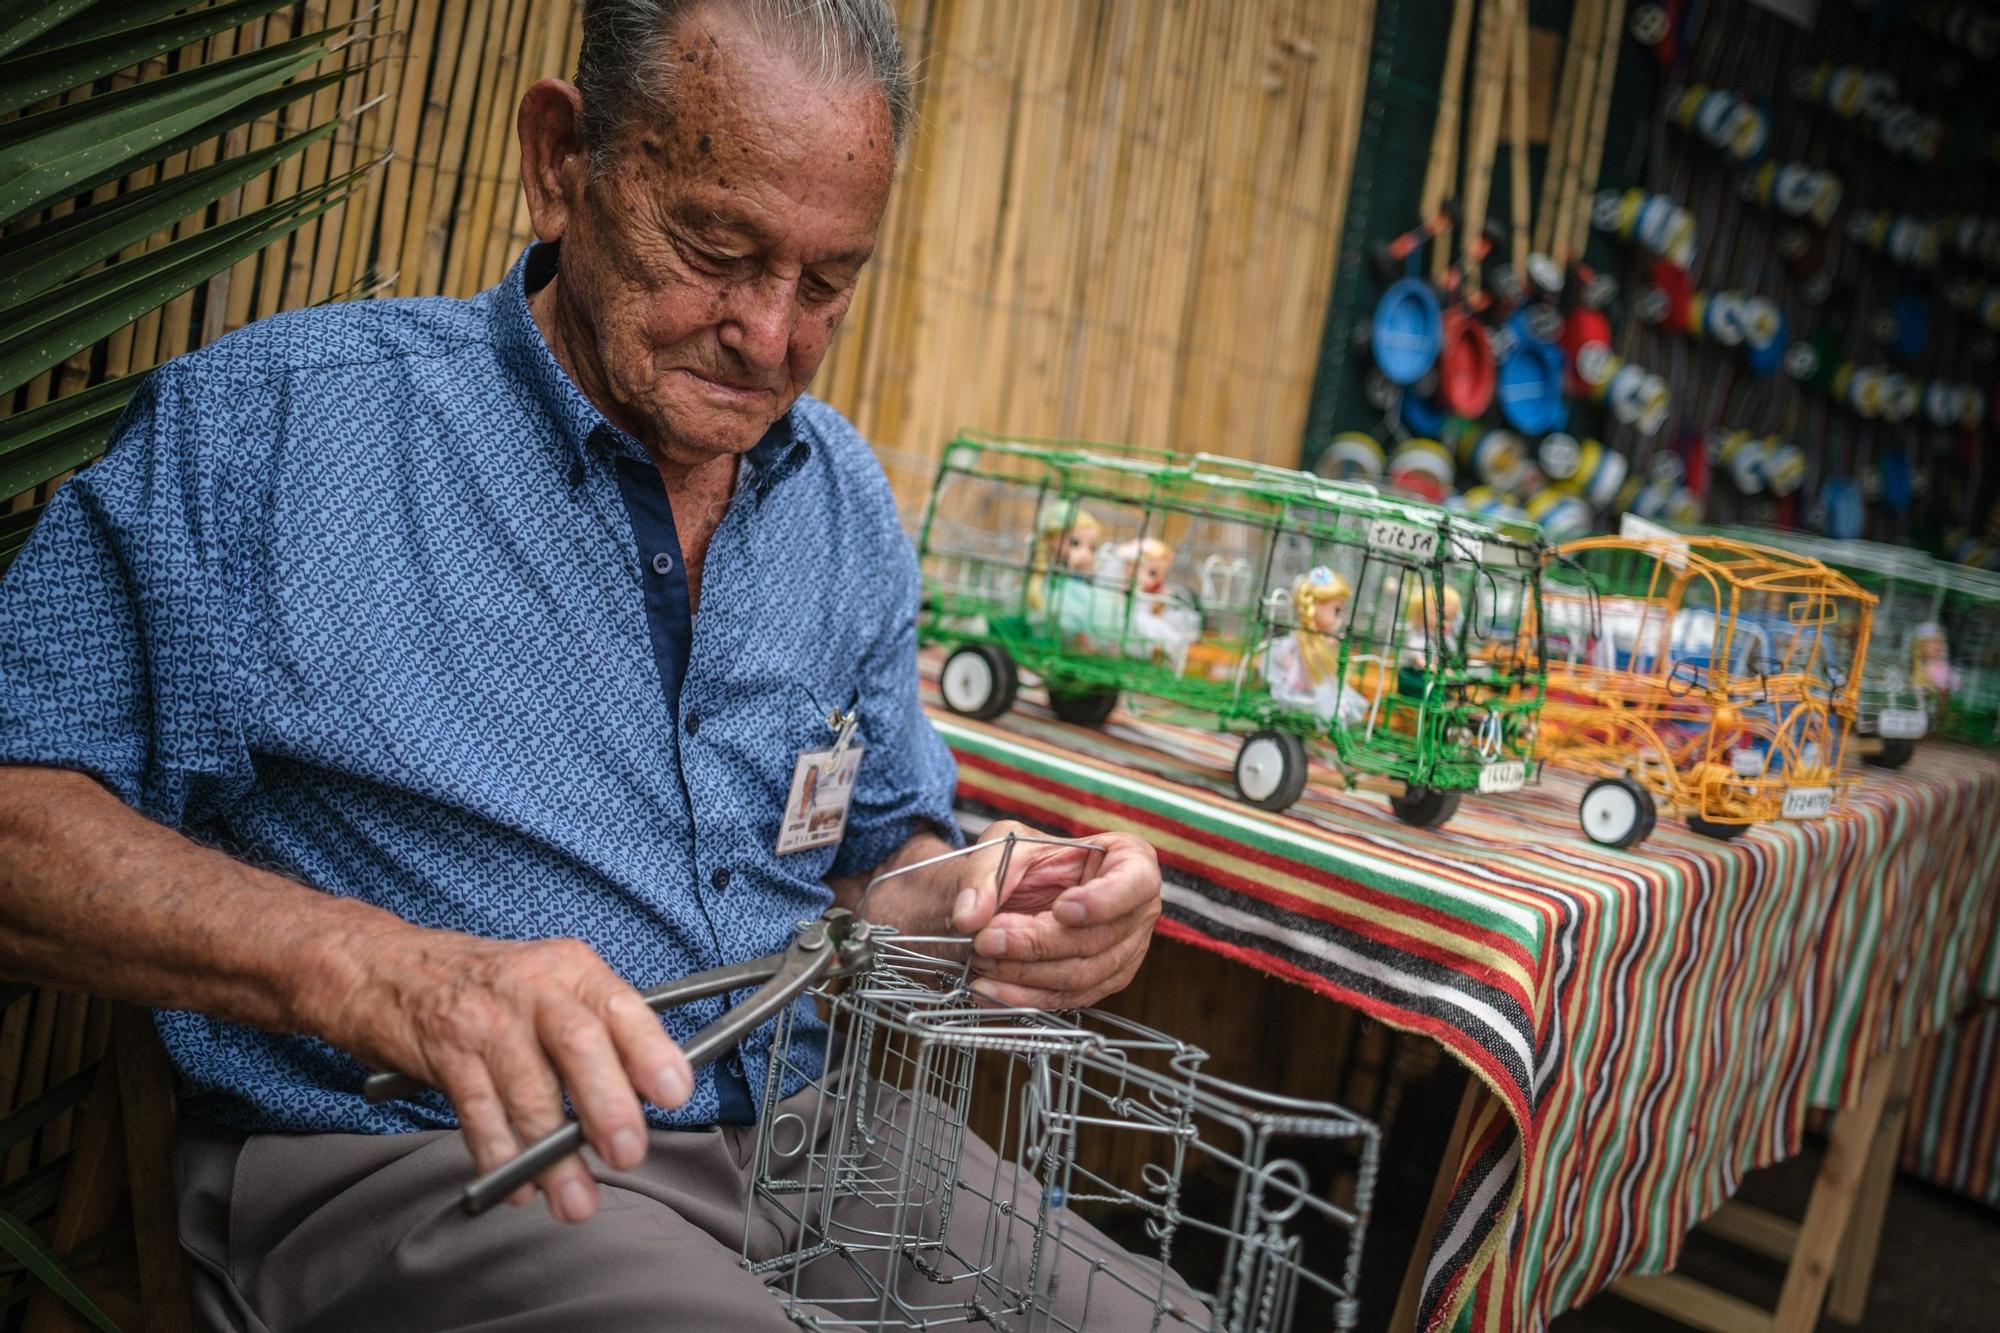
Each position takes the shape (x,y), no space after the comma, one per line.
(836,945)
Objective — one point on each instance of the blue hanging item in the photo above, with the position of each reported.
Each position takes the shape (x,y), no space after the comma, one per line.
(1844,515)
(1897,479)
(1768,357)
(1531,383)
(1422,417)
(1913,326)
(1408,328)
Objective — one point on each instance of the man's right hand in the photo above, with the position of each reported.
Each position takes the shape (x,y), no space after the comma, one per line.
(505,1029)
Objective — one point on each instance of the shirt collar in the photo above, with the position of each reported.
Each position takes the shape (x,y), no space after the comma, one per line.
(582,427)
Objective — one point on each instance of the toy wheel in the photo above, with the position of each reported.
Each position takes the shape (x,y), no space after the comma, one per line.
(979,681)
(1894,753)
(1086,708)
(1425,807)
(1271,770)
(1616,812)
(1711,829)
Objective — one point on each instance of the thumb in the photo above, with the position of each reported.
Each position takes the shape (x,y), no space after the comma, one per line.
(978,899)
(979,883)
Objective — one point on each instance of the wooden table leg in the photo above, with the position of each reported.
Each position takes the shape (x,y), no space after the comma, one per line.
(1855,1269)
(1835,1193)
(1404,1320)
(1835,1244)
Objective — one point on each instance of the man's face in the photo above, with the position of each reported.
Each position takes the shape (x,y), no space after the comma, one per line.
(706,268)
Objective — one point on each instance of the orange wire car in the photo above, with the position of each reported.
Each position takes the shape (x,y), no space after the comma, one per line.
(1717,677)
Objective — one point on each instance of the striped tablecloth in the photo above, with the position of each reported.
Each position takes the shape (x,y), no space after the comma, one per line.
(1951,1133)
(1646,1027)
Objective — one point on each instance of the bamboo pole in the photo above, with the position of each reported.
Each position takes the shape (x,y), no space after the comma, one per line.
(1607,74)
(1517,145)
(1441,171)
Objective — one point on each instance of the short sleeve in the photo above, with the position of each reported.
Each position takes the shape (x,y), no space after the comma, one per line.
(118,651)
(907,777)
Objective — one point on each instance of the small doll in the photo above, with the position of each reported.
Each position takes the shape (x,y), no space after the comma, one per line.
(1161,614)
(1930,659)
(1418,608)
(1065,544)
(1303,667)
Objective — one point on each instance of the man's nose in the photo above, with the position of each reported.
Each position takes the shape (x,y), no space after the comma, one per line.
(758,320)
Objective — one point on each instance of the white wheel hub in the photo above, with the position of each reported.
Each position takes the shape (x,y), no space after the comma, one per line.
(967,683)
(1260,768)
(1609,813)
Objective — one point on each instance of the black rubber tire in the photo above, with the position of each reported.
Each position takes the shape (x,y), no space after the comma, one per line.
(1720,832)
(1086,708)
(1292,770)
(1006,681)
(1424,807)
(1645,812)
(1893,754)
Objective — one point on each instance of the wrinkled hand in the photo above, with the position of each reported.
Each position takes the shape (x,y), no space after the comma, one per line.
(1054,939)
(505,1028)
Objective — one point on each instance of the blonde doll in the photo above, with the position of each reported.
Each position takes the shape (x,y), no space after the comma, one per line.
(1303,667)
(1161,615)
(1419,607)
(1065,543)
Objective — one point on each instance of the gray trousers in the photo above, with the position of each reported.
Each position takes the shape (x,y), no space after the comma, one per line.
(291,1233)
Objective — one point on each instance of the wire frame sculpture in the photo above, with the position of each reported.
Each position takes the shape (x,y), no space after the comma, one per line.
(1118,1171)
(1721,675)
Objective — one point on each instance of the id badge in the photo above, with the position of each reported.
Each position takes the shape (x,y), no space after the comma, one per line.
(816,807)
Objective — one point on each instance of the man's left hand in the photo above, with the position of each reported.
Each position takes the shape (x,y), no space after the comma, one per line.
(1052,938)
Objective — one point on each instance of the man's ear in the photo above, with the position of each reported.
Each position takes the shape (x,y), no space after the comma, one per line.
(553,158)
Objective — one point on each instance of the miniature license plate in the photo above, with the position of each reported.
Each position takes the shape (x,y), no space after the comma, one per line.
(1901,724)
(1807,802)
(1401,539)
(1508,775)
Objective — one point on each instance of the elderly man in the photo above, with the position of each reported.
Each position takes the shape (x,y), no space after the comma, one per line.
(414,677)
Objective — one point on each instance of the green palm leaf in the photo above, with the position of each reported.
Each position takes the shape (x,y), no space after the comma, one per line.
(241,113)
(19,1239)
(36,74)
(81,311)
(37,258)
(21,21)
(64,433)
(43,156)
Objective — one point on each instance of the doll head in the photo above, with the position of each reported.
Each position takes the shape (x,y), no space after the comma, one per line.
(1156,561)
(1066,539)
(1319,600)
(1418,602)
(1930,657)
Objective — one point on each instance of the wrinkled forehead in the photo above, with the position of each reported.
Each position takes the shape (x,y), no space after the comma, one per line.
(734,107)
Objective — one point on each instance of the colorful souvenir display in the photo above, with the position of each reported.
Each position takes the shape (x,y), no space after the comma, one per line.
(1386,635)
(1719,678)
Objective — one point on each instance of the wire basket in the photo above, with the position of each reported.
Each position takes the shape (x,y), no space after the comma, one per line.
(1123,1188)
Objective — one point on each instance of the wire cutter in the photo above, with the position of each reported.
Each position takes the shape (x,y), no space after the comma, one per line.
(838,944)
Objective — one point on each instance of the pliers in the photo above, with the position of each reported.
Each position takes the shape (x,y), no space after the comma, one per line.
(838,944)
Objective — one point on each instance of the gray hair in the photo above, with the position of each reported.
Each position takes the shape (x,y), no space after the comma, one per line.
(620,70)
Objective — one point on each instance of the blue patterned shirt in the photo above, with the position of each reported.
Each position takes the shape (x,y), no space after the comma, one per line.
(372,596)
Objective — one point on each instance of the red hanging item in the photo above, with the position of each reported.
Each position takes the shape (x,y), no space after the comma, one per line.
(1465,365)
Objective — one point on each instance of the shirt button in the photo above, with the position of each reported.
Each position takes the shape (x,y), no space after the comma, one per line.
(720,879)
(663,563)
(693,722)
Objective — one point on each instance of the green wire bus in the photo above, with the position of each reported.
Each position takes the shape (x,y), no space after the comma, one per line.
(1392,639)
